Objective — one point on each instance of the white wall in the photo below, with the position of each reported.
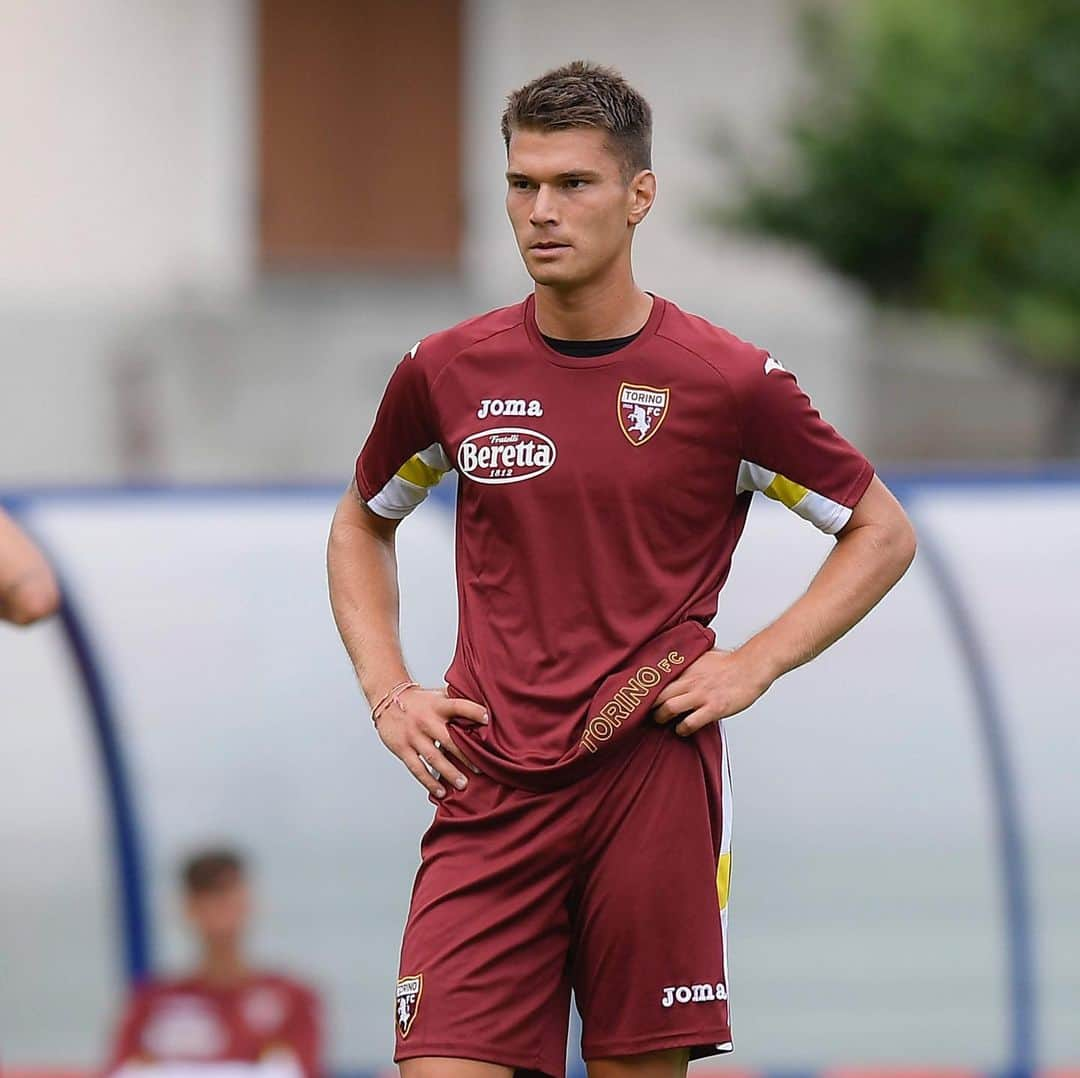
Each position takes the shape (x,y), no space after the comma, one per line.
(127,150)
(127,217)
(129,143)
(128,244)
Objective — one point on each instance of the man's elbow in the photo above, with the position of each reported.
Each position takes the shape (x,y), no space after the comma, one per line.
(35,600)
(900,544)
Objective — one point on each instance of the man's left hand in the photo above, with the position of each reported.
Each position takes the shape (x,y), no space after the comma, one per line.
(716,686)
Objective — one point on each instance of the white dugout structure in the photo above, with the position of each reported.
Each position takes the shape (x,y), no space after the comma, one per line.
(906,856)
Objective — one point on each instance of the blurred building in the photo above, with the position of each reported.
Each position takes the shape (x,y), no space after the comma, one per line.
(223,223)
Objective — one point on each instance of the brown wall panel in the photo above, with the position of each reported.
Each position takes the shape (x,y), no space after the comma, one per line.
(359,132)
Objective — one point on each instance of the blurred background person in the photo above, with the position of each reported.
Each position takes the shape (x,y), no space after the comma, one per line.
(28,589)
(225,1010)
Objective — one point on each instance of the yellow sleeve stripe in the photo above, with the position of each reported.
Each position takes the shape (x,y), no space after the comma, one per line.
(723,879)
(418,473)
(786,492)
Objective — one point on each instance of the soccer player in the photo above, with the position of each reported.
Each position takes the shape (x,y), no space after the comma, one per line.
(607,445)
(28,589)
(225,1011)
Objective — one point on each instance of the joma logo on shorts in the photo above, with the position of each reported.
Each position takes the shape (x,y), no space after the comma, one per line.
(626,698)
(503,406)
(692,993)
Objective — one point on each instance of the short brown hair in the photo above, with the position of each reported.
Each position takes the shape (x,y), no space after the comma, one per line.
(582,94)
(211,869)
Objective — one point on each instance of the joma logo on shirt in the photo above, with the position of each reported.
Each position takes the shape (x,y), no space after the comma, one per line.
(505,455)
(692,993)
(626,698)
(503,406)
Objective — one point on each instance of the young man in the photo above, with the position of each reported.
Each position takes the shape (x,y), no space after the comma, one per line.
(225,1011)
(28,589)
(608,446)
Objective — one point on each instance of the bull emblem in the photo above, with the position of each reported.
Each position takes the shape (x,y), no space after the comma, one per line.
(408,994)
(641,411)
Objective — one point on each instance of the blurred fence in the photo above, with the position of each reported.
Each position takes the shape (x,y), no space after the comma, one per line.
(907,858)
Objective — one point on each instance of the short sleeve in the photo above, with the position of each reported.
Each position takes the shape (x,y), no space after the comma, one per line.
(402,458)
(792,455)
(305,1033)
(127,1040)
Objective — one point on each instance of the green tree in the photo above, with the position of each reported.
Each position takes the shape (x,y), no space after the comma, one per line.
(936,160)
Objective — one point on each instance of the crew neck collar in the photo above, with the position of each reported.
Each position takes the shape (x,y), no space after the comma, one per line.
(652,323)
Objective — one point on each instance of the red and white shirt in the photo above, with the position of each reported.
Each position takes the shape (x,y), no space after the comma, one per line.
(599,503)
(188,1020)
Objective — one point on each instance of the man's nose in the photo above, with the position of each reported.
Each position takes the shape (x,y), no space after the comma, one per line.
(543,208)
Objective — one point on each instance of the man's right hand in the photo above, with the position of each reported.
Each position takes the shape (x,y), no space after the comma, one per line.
(414,729)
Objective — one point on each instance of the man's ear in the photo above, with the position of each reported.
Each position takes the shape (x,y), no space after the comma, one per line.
(642,189)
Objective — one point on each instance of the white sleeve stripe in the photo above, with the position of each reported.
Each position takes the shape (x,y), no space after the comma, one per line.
(435,457)
(822,512)
(397,499)
(753,477)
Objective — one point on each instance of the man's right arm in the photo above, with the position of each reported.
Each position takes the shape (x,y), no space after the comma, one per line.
(361,564)
(28,589)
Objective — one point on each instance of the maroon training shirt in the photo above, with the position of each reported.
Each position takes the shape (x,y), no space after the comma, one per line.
(599,503)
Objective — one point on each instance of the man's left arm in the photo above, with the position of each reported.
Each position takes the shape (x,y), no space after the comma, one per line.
(873,551)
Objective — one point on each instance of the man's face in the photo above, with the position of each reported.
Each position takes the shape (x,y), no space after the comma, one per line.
(572,209)
(220,914)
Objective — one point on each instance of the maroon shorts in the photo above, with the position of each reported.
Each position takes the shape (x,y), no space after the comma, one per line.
(614,886)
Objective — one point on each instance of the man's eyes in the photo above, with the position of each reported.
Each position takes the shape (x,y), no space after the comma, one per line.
(575,183)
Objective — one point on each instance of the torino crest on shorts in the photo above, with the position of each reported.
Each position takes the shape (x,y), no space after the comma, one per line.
(641,411)
(408,1001)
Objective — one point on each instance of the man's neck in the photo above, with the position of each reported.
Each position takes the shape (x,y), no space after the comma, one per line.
(595,312)
(222,969)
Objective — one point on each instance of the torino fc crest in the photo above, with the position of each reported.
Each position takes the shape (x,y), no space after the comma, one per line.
(408,1001)
(641,411)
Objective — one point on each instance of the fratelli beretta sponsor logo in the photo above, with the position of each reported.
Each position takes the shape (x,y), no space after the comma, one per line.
(505,455)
